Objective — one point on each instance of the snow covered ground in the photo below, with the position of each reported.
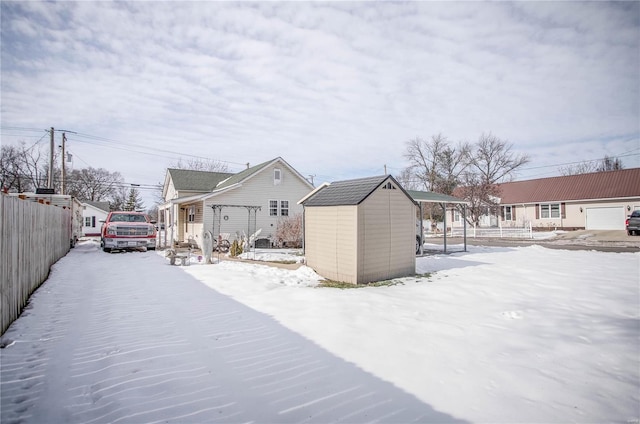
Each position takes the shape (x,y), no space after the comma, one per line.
(503,334)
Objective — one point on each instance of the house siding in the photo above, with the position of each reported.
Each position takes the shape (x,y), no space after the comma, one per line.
(572,218)
(258,190)
(96,215)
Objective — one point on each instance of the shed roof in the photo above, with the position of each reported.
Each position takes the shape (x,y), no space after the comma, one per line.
(348,192)
(598,185)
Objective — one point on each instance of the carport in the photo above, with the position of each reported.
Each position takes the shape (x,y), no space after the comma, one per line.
(443,200)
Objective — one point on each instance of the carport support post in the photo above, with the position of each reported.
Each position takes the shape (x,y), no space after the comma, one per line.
(464,228)
(444,209)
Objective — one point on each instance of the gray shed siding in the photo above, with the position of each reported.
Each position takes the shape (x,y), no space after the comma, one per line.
(386,236)
(331,240)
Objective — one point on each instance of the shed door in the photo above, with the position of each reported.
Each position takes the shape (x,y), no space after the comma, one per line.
(610,218)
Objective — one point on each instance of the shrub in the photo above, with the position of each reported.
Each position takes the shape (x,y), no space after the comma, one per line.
(289,231)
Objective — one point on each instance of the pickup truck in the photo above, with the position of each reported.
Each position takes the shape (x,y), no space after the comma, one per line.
(124,230)
(633,223)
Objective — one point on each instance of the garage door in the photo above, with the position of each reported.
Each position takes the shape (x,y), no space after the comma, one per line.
(611,218)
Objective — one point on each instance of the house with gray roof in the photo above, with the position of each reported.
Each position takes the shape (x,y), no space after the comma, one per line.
(230,204)
(361,230)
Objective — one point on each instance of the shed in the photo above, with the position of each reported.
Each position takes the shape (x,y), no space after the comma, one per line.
(360,230)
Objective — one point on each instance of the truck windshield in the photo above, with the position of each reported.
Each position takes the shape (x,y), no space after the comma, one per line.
(128,218)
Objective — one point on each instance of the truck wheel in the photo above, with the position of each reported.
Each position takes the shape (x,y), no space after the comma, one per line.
(106,249)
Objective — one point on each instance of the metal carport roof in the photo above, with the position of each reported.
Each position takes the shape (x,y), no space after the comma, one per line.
(442,199)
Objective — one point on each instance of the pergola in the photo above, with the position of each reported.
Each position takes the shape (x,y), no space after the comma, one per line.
(443,200)
(217,215)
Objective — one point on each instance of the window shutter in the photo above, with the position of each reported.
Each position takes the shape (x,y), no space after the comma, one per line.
(563,212)
(502,213)
(513,213)
(93,221)
(537,210)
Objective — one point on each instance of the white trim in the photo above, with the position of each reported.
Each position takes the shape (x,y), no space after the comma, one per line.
(314,191)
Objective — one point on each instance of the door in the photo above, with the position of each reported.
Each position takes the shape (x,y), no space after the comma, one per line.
(605,218)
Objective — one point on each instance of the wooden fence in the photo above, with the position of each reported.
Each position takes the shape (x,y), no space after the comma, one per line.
(33,236)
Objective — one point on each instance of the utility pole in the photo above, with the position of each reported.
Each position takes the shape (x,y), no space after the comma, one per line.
(50,177)
(64,159)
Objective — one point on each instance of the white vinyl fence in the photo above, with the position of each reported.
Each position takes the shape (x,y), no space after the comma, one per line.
(33,236)
(495,232)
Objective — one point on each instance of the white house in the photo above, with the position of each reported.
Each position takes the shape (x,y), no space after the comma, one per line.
(92,214)
(230,204)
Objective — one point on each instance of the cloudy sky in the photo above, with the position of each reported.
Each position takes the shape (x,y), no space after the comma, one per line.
(336,89)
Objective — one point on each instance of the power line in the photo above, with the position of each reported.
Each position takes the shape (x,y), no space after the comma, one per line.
(145,148)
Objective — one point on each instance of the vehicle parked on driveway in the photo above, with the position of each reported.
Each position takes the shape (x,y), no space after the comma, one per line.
(128,230)
(633,223)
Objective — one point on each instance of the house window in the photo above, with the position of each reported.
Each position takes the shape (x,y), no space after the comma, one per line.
(278,208)
(277,176)
(191,214)
(507,212)
(388,186)
(550,211)
(457,217)
(87,221)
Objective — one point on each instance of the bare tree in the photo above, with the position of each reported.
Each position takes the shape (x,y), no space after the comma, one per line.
(93,184)
(12,177)
(118,200)
(438,167)
(579,168)
(482,197)
(424,157)
(492,159)
(605,164)
(194,164)
(610,164)
(289,231)
(407,179)
(452,163)
(22,168)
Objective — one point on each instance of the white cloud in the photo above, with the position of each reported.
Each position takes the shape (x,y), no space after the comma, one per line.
(334,88)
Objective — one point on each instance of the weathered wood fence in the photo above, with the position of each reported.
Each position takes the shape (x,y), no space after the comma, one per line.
(33,236)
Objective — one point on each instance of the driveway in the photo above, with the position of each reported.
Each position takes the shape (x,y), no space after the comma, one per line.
(599,240)
(156,345)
